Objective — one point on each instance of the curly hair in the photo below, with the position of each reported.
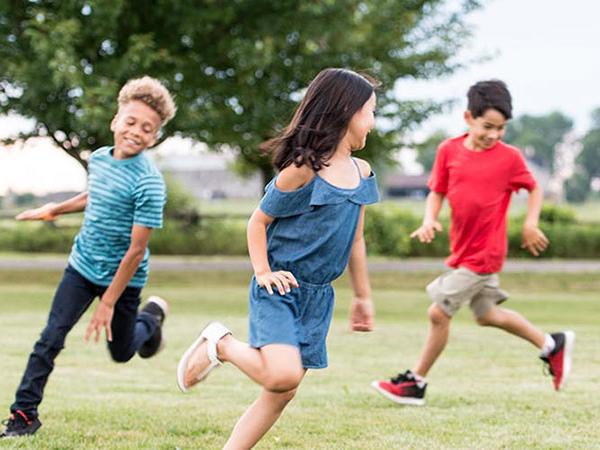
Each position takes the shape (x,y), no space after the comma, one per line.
(151,92)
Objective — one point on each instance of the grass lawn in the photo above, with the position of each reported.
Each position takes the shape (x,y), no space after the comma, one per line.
(486,392)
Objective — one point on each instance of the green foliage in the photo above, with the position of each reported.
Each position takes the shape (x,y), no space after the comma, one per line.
(236,68)
(552,214)
(541,134)
(427,149)
(589,158)
(387,233)
(37,237)
(578,187)
(387,230)
(181,206)
(212,237)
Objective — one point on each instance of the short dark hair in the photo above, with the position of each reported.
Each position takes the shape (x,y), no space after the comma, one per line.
(321,119)
(489,94)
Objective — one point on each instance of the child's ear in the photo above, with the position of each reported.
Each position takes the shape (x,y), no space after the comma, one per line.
(112,123)
(468,116)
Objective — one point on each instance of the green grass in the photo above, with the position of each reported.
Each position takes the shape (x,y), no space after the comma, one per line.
(486,392)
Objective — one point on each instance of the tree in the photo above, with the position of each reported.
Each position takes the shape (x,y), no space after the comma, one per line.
(237,67)
(577,188)
(541,134)
(589,158)
(427,149)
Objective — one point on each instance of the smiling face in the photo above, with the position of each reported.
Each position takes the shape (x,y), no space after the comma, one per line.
(135,128)
(486,130)
(361,124)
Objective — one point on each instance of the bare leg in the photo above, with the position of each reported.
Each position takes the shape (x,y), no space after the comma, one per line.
(258,419)
(439,328)
(276,367)
(514,323)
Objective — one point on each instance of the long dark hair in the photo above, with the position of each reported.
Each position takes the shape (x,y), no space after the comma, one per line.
(321,119)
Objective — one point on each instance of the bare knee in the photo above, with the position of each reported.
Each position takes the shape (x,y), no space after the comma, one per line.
(287,396)
(283,383)
(492,318)
(437,316)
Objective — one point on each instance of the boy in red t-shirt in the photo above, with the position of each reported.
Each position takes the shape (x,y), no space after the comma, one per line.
(478,173)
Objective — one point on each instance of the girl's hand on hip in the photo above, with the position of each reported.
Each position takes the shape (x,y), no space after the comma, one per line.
(284,281)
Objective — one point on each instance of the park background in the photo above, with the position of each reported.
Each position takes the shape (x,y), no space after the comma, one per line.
(237,69)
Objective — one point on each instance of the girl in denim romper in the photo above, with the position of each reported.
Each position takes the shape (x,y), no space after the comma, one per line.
(307,228)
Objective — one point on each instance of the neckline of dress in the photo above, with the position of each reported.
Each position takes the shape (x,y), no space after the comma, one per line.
(338,187)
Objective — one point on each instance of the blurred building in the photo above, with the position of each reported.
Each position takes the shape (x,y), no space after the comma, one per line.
(205,174)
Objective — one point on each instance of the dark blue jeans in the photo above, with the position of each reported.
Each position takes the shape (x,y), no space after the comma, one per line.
(72,298)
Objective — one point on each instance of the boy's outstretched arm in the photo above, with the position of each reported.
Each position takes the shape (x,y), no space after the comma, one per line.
(102,317)
(426,232)
(362,311)
(533,239)
(51,211)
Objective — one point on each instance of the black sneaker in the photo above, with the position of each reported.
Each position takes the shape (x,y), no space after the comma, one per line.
(158,307)
(404,389)
(18,424)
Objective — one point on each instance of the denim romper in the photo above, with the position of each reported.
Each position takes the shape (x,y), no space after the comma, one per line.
(311,237)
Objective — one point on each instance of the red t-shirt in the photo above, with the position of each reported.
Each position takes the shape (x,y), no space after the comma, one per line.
(478,186)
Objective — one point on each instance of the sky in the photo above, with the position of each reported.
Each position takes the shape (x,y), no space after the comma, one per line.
(545,50)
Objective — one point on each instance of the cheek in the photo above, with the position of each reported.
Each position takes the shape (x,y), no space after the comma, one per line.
(366,124)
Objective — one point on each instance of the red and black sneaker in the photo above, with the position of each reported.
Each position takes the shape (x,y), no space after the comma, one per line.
(18,424)
(560,359)
(403,389)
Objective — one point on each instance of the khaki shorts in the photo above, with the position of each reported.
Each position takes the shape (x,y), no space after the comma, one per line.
(457,287)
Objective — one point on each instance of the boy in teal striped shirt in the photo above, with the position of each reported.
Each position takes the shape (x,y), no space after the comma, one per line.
(123,203)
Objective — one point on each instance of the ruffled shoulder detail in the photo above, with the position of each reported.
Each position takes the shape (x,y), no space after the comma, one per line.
(325,193)
(278,203)
(368,192)
(317,192)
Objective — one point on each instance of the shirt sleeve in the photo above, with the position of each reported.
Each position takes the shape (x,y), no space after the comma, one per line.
(521,177)
(438,180)
(277,203)
(149,200)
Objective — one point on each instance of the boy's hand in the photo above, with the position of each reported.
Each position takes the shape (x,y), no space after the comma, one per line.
(284,281)
(102,318)
(362,314)
(426,232)
(534,240)
(45,212)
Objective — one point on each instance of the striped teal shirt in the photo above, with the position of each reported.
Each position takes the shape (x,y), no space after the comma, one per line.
(121,193)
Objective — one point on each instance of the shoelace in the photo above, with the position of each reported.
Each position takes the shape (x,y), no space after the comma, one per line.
(401,377)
